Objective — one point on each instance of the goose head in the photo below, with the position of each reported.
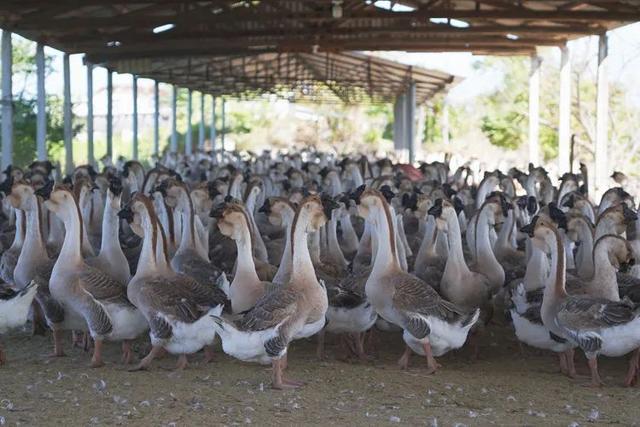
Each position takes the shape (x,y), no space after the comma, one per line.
(618,250)
(316,210)
(543,233)
(444,210)
(202,203)
(20,196)
(277,210)
(114,192)
(63,202)
(370,200)
(139,213)
(620,215)
(232,219)
(577,224)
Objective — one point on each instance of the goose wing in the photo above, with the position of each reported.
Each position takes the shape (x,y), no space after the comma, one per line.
(415,299)
(102,287)
(595,313)
(209,295)
(583,319)
(270,311)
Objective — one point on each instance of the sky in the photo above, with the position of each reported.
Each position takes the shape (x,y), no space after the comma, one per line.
(624,63)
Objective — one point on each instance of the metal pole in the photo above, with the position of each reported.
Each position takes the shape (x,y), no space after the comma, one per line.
(68,146)
(411,120)
(201,127)
(41,119)
(224,124)
(564,126)
(90,153)
(602,116)
(109,113)
(174,121)
(534,109)
(445,122)
(188,144)
(213,123)
(135,116)
(156,118)
(7,100)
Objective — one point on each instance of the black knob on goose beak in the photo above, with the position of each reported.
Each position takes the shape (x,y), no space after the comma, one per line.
(357,193)
(436,209)
(217,211)
(161,188)
(410,201)
(115,185)
(328,205)
(530,228)
(457,204)
(126,213)
(628,214)
(266,207)
(387,193)
(45,190)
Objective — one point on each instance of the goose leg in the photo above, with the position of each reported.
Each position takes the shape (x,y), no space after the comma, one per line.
(403,363)
(562,358)
(595,376)
(632,373)
(146,361)
(39,326)
(432,365)
(3,356)
(127,354)
(278,381)
(96,360)
(208,353)
(182,362)
(57,343)
(359,341)
(571,367)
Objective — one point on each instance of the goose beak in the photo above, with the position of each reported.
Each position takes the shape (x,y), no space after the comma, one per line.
(265,208)
(127,214)
(628,214)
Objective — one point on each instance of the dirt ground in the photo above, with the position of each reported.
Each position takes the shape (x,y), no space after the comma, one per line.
(504,387)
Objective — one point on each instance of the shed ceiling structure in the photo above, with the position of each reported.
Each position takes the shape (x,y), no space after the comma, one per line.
(288,46)
(327,77)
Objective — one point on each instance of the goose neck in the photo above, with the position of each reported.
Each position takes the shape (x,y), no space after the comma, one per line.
(72,245)
(456,254)
(302,266)
(385,254)
(246,268)
(33,240)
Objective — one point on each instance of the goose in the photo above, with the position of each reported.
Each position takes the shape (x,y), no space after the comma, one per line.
(111,258)
(190,258)
(432,326)
(246,288)
(596,325)
(14,309)
(90,298)
(9,257)
(176,306)
(614,220)
(34,264)
(292,311)
(464,287)
(280,211)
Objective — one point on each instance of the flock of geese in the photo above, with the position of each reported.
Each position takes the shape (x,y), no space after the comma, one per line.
(317,243)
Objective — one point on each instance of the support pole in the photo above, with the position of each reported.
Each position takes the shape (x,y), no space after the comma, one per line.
(109,114)
(90,153)
(411,121)
(602,116)
(213,123)
(399,125)
(224,124)
(135,116)
(534,109)
(201,127)
(156,118)
(7,100)
(66,115)
(174,121)
(445,122)
(188,145)
(564,126)
(41,119)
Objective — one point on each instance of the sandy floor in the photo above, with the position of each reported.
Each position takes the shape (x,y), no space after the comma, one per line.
(504,387)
